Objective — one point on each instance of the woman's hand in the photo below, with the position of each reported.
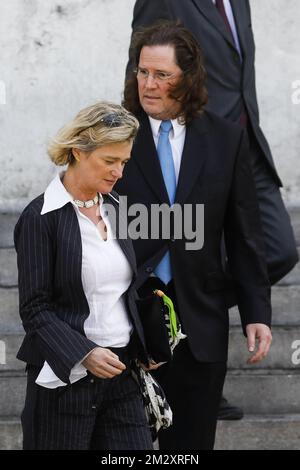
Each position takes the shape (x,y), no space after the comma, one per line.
(103,363)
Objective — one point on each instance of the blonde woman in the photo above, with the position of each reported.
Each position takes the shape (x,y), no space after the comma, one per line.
(76,296)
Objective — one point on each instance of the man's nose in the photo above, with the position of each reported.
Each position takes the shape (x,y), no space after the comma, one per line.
(150,81)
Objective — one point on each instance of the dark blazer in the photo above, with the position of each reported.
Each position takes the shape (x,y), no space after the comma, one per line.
(215,172)
(230,82)
(53,306)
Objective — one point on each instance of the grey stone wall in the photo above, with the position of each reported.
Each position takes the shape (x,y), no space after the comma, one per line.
(58,56)
(277,35)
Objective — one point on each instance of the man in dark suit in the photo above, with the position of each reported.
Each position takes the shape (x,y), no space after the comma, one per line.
(224,33)
(186,157)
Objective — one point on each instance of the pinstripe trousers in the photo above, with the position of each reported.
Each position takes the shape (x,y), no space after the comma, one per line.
(91,414)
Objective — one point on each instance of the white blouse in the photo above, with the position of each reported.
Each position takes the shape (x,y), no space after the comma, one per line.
(106,275)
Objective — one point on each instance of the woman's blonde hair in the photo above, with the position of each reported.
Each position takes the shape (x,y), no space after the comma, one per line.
(101,124)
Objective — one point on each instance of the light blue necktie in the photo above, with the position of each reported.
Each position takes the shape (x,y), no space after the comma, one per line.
(164,150)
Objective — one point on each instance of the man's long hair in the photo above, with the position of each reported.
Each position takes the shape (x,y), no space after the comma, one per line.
(190,91)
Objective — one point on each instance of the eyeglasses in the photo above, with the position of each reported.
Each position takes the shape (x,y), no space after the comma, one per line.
(144,74)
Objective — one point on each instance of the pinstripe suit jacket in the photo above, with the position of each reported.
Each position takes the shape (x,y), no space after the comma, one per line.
(53,306)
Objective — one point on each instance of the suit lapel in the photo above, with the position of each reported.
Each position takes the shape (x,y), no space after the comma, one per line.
(145,155)
(193,157)
(208,9)
(121,218)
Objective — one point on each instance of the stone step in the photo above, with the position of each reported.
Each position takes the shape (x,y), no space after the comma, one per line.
(253,432)
(285,303)
(8,221)
(9,310)
(292,277)
(284,352)
(7,225)
(8,268)
(263,392)
(285,307)
(259,432)
(9,346)
(257,391)
(9,273)
(295,218)
(10,434)
(12,393)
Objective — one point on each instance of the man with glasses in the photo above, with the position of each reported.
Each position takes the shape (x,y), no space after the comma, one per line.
(223,31)
(184,156)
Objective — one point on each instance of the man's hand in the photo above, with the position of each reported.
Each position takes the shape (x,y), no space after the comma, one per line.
(103,363)
(262,333)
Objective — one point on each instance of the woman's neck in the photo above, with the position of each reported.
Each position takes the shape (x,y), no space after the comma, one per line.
(76,187)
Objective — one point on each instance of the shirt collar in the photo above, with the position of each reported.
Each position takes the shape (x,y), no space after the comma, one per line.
(56,196)
(155,125)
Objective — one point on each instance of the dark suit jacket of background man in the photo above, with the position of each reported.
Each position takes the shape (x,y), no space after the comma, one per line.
(230,82)
(215,173)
